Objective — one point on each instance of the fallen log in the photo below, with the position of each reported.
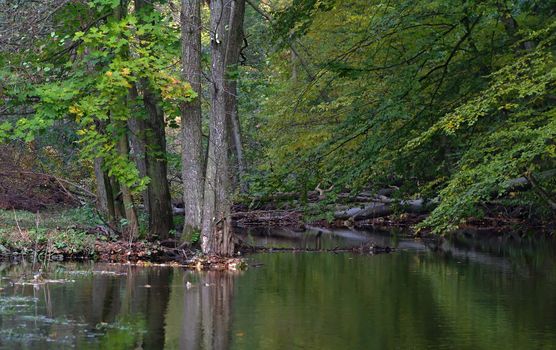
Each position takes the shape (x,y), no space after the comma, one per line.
(523,183)
(267,217)
(384,207)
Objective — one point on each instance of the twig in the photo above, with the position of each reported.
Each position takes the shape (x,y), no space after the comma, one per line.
(18,227)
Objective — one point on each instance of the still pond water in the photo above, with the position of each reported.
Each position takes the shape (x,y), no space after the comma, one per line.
(488,294)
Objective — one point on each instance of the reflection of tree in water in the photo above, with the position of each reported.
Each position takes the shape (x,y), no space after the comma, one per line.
(133,305)
(207,311)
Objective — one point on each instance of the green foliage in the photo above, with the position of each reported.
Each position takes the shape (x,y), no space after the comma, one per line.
(195,237)
(92,88)
(443,99)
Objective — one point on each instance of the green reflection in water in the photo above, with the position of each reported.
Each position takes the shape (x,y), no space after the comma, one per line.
(490,299)
(403,300)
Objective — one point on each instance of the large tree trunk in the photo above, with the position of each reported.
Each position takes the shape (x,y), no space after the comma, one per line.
(132,227)
(192,152)
(105,197)
(137,140)
(235,133)
(233,47)
(216,223)
(119,208)
(160,215)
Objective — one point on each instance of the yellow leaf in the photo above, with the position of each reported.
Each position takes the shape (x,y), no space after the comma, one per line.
(76,110)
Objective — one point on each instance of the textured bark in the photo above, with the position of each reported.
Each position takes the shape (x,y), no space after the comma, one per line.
(132,227)
(216,223)
(137,141)
(101,190)
(192,152)
(105,197)
(235,134)
(160,209)
(236,14)
(117,196)
(160,215)
(380,209)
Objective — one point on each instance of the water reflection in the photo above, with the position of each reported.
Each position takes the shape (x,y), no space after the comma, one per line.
(447,294)
(200,316)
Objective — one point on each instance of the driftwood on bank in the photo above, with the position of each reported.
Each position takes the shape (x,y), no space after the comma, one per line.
(288,208)
(380,208)
(267,218)
(344,214)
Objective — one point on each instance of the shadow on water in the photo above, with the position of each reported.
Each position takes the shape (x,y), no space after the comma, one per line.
(458,293)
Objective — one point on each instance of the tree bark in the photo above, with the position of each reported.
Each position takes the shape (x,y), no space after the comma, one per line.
(132,227)
(236,14)
(105,197)
(235,131)
(160,214)
(379,209)
(216,224)
(137,141)
(119,209)
(192,152)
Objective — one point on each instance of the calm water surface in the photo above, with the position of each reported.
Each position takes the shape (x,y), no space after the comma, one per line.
(464,295)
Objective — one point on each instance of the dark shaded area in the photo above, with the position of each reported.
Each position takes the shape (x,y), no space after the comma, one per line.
(21,188)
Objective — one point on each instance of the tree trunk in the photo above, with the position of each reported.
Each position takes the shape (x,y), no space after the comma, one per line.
(117,197)
(160,214)
(216,223)
(192,152)
(105,197)
(137,141)
(235,131)
(132,227)
(234,28)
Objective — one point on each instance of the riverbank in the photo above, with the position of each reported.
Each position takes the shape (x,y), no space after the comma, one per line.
(78,234)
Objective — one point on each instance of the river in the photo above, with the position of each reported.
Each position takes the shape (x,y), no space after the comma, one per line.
(497,293)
